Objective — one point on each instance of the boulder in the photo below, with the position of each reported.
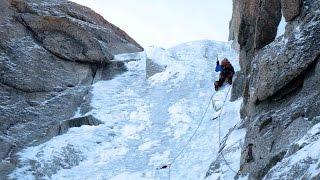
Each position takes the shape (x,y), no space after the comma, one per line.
(291,9)
(111,69)
(284,62)
(74,122)
(152,68)
(72,31)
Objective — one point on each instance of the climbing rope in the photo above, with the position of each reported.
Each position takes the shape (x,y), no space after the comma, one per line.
(196,130)
(219,116)
(219,121)
(188,142)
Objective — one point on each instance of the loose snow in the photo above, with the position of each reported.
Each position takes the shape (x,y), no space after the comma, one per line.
(147,122)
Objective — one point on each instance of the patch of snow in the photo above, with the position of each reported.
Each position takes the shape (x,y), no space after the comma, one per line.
(281,27)
(130,131)
(159,159)
(175,74)
(160,55)
(130,56)
(148,145)
(77,113)
(179,118)
(297,32)
(132,176)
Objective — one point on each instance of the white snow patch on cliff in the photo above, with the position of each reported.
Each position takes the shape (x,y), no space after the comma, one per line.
(306,159)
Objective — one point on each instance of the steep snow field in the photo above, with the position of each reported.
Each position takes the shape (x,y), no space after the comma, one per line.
(148,122)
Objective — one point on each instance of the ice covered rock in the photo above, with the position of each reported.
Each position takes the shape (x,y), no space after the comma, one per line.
(302,159)
(50,52)
(281,86)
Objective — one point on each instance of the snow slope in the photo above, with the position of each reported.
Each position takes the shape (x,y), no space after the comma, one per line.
(147,122)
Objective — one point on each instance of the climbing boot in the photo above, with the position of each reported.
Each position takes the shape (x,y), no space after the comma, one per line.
(216,86)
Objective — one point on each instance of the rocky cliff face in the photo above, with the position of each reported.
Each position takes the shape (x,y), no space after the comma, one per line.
(234,24)
(280,83)
(50,52)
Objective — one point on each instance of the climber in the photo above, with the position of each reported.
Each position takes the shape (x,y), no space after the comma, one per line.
(226,73)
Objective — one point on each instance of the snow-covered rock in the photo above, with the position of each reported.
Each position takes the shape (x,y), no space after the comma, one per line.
(302,161)
(281,88)
(148,123)
(49,54)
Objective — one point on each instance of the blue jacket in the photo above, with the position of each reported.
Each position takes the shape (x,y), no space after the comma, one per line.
(225,71)
(218,68)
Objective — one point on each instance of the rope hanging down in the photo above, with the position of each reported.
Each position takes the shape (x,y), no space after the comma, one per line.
(189,140)
(219,120)
(194,133)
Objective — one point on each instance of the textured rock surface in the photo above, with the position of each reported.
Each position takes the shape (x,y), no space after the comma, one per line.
(268,19)
(73,32)
(234,24)
(291,9)
(153,68)
(302,160)
(235,21)
(77,122)
(257,28)
(50,52)
(281,88)
(237,88)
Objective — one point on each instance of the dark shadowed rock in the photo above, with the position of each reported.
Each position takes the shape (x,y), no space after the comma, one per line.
(109,70)
(50,53)
(76,122)
(153,68)
(257,28)
(234,24)
(291,9)
(268,19)
(237,88)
